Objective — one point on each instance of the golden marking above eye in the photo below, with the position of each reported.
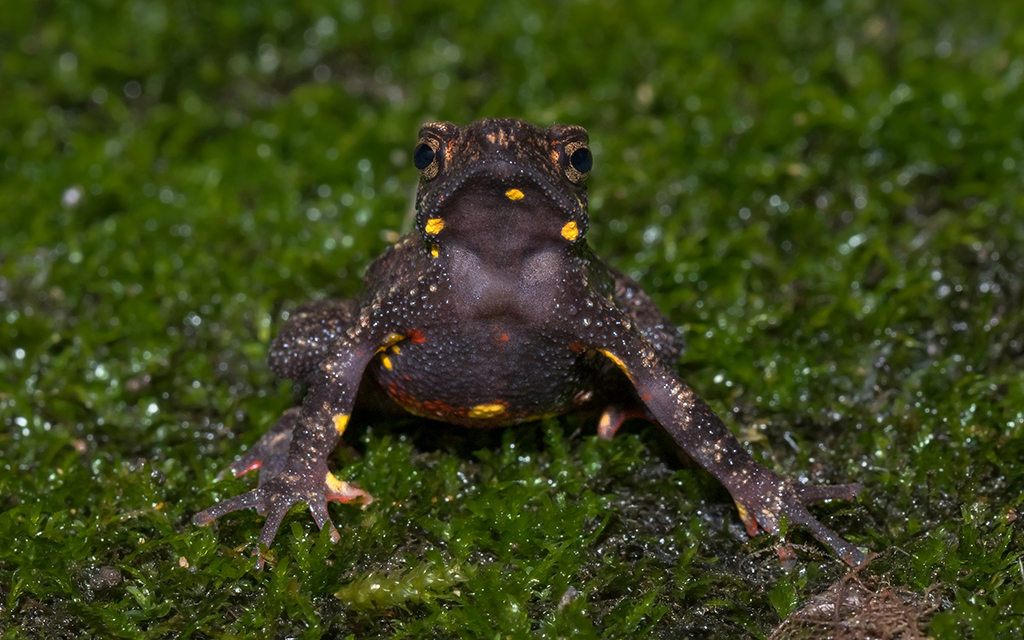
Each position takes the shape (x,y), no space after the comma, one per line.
(514,194)
(570,231)
(340,422)
(434,226)
(487,410)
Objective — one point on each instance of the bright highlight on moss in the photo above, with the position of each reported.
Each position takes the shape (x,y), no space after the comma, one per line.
(423,583)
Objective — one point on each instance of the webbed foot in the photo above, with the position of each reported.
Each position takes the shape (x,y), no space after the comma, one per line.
(281,485)
(314,485)
(767,498)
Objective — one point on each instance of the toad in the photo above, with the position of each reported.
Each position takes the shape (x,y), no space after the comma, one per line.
(494,311)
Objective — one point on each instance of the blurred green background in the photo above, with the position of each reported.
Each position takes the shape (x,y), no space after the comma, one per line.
(827,197)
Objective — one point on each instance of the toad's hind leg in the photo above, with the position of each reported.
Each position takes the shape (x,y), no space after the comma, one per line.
(613,417)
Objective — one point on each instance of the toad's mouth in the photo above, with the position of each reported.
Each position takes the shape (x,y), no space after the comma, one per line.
(510,220)
(500,189)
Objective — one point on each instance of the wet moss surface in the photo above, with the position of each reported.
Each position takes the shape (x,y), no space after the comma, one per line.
(828,199)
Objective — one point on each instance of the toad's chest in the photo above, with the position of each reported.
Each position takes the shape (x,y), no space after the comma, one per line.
(484,374)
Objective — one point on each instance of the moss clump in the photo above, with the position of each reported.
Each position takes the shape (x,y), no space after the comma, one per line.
(423,583)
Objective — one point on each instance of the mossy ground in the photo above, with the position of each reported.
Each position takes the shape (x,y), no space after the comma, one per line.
(828,197)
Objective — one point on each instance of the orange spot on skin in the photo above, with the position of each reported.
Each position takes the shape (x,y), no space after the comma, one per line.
(604,427)
(577,347)
(645,395)
(570,231)
(389,343)
(424,408)
(613,418)
(749,523)
(439,408)
(392,339)
(340,422)
(251,467)
(487,410)
(503,337)
(434,226)
(341,491)
(416,336)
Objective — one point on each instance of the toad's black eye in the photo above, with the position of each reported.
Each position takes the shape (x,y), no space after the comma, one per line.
(581,160)
(422,156)
(426,158)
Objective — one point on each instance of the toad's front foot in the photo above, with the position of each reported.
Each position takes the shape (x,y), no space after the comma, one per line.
(297,482)
(764,498)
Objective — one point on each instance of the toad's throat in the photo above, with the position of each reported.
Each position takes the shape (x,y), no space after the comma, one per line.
(504,223)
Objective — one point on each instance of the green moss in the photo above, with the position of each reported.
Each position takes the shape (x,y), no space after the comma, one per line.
(827,197)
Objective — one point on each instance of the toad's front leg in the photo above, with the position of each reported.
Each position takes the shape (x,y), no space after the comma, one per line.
(762,496)
(309,436)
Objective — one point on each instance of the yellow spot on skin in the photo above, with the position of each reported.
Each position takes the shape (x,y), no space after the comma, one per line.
(334,485)
(341,491)
(396,350)
(487,410)
(614,358)
(386,361)
(514,194)
(392,339)
(570,231)
(433,251)
(434,226)
(604,427)
(744,515)
(340,422)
